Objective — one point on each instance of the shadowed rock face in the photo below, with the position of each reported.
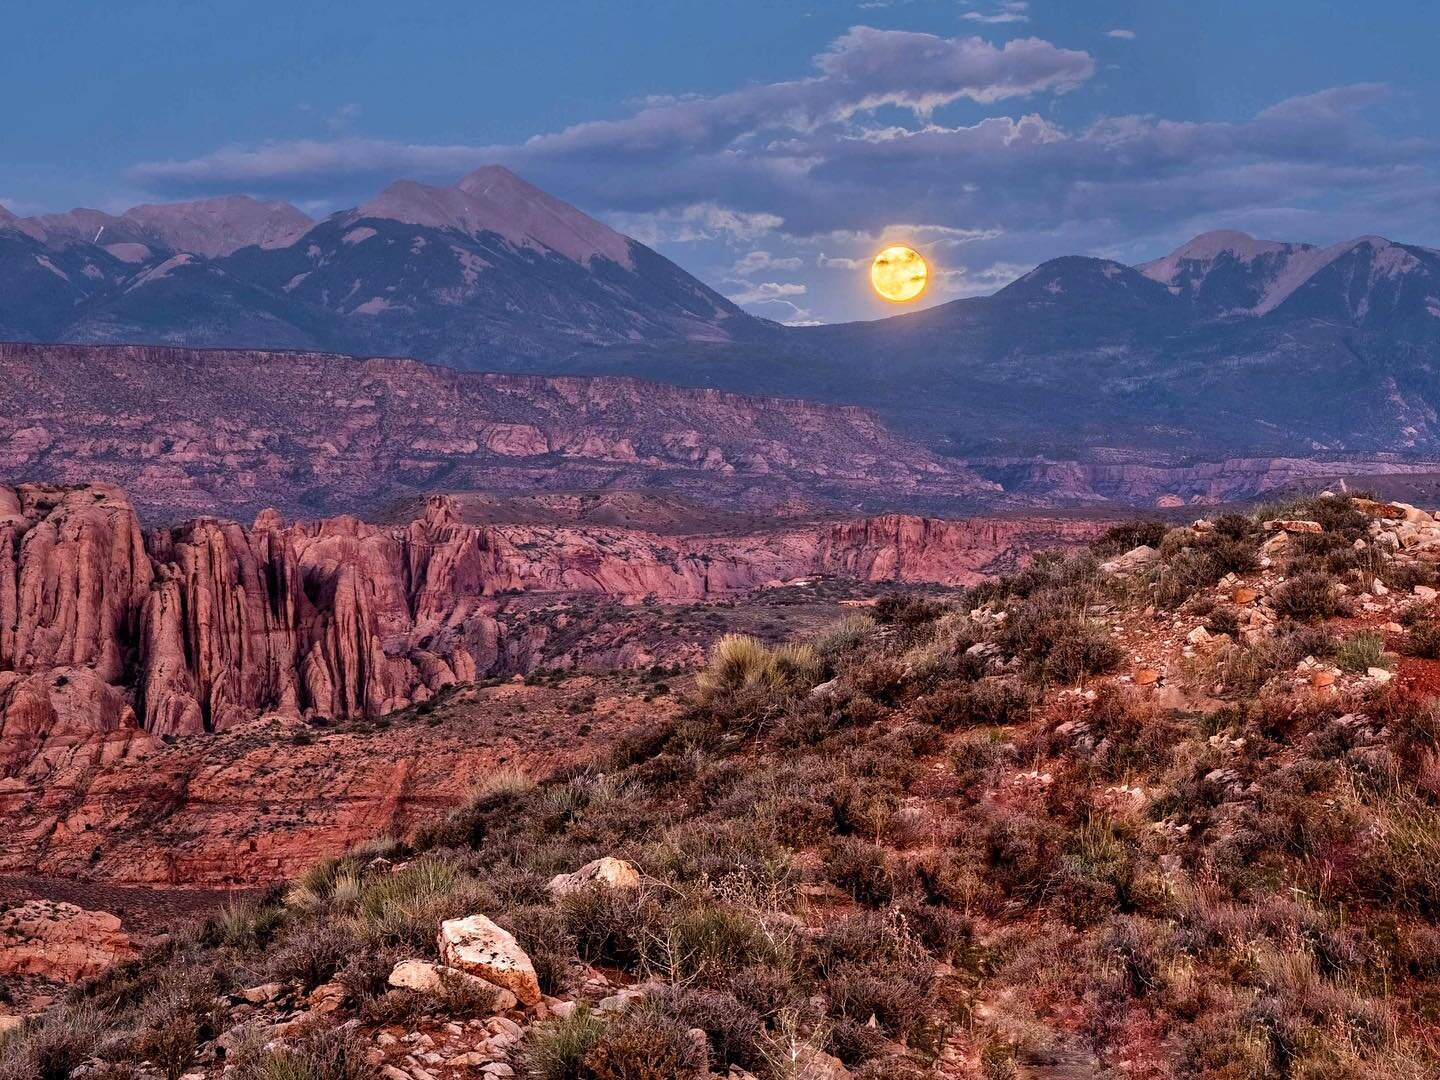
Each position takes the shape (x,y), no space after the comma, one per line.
(112,634)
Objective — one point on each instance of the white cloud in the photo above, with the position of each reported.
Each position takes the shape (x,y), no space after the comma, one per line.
(1121,34)
(839,262)
(1012,11)
(769,291)
(756,262)
(699,221)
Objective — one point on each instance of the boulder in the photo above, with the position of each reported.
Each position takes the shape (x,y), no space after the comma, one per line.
(428,978)
(1137,558)
(1294,525)
(60,942)
(605,872)
(476,946)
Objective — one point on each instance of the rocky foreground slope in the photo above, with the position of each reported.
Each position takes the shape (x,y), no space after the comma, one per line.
(1167,808)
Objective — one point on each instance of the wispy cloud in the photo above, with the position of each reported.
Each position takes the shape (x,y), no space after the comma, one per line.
(1121,33)
(1012,12)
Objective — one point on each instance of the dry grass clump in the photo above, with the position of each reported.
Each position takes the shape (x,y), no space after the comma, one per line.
(740,662)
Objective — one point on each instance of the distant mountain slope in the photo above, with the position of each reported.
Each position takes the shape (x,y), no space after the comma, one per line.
(489,274)
(1227,346)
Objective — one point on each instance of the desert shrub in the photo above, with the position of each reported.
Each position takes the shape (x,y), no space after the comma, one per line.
(52,1046)
(704,940)
(1404,576)
(1423,639)
(893,993)
(1400,867)
(996,702)
(906,612)
(366,974)
(405,907)
(1121,538)
(644,1045)
(977,756)
(611,926)
(1309,596)
(1021,851)
(843,637)
(740,662)
(1095,875)
(556,1049)
(543,931)
(1192,561)
(242,923)
(1056,641)
(1361,651)
(313,952)
(176,1019)
(861,869)
(735,1031)
(319,1055)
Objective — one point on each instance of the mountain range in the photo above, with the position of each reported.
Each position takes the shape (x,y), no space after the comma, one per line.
(479,276)
(1229,345)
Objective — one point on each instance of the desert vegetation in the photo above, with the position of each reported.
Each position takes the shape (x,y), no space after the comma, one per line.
(946,837)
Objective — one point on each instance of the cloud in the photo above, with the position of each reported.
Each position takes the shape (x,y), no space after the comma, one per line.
(768,291)
(1011,12)
(828,262)
(756,262)
(1121,34)
(861,71)
(698,221)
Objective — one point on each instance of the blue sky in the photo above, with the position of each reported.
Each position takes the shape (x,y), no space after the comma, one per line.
(768,147)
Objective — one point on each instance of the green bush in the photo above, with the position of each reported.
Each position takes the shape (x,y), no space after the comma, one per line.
(1361,651)
(328,1055)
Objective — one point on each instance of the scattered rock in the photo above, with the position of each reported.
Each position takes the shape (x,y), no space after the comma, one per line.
(477,946)
(1292,525)
(606,872)
(1137,558)
(431,978)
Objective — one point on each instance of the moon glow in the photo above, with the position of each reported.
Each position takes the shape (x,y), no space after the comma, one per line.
(899,274)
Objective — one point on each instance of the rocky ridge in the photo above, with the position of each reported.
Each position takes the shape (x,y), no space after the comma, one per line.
(189,432)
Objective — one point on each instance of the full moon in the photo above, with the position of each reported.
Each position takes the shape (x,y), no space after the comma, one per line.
(899,274)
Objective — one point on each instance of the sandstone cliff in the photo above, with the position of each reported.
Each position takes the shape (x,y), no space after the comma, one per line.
(109,634)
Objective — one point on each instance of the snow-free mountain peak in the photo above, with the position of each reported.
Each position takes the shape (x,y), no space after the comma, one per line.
(209,227)
(493,199)
(219,226)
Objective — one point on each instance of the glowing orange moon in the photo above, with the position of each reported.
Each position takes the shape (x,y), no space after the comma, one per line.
(899,274)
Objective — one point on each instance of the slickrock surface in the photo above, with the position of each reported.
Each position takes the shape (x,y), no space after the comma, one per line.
(263,801)
(60,942)
(230,432)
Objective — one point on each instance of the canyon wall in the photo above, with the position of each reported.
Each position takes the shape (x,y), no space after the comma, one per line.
(109,633)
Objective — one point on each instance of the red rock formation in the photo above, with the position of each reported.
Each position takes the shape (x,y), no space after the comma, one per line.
(60,942)
(113,636)
(190,432)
